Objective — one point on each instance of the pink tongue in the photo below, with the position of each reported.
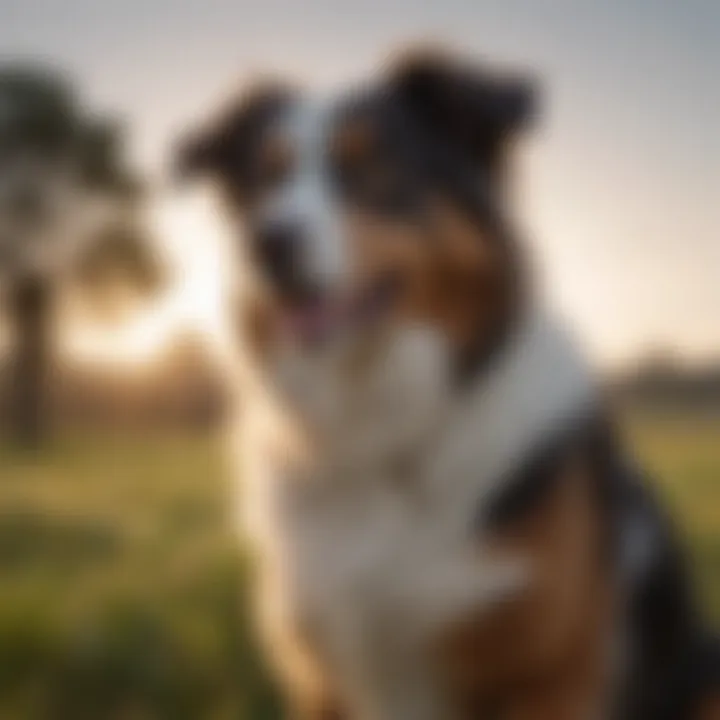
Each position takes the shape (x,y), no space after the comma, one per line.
(314,322)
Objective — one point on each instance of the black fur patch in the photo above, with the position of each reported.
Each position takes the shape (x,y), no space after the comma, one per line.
(675,661)
(530,485)
(226,149)
(471,108)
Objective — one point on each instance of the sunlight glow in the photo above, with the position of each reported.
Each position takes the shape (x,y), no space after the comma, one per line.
(194,302)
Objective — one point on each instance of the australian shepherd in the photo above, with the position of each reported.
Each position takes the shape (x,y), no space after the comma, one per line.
(445,525)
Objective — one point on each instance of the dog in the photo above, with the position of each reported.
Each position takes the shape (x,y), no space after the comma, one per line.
(446,525)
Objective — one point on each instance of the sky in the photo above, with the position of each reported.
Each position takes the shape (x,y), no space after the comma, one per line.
(619,193)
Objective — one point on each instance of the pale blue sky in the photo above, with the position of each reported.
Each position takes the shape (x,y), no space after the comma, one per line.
(622,190)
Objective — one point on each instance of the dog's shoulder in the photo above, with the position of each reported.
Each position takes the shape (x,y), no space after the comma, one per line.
(536,390)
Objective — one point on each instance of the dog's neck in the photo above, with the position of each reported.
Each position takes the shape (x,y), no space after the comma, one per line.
(405,405)
(360,413)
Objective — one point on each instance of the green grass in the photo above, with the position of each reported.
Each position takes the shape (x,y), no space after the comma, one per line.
(682,454)
(121,582)
(121,586)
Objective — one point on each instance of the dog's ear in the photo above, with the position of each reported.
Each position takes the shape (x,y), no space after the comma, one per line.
(224,146)
(470,106)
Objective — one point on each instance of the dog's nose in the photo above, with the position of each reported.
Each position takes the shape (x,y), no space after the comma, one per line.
(277,250)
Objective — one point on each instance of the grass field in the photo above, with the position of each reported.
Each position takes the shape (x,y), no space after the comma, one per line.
(121,585)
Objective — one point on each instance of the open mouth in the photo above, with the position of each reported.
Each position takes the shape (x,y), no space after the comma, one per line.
(317,316)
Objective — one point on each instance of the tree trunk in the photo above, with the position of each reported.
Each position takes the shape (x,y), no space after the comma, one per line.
(30,315)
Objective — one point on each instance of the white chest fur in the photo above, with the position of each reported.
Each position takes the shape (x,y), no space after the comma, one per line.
(371,552)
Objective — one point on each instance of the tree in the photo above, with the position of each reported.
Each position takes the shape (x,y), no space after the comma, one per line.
(69,217)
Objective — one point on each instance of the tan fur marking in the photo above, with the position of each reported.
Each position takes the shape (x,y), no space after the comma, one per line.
(451,274)
(542,656)
(354,141)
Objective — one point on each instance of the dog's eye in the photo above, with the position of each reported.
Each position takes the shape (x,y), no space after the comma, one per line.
(352,145)
(273,163)
(386,189)
(366,172)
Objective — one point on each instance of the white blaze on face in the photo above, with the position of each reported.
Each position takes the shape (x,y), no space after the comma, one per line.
(305,200)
